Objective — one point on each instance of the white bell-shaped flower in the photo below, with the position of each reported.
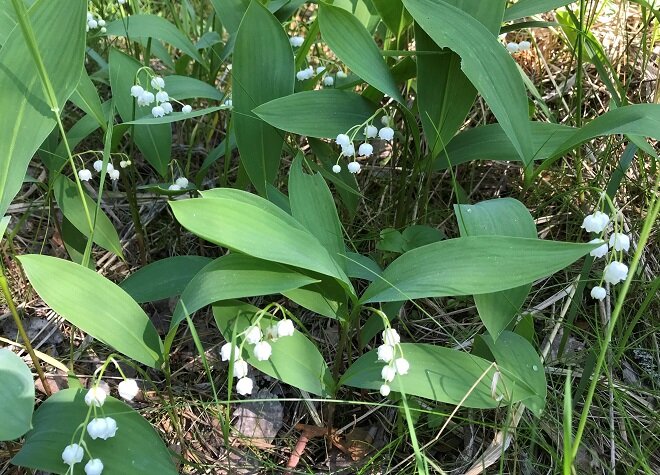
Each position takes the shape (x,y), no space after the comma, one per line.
(385,353)
(341,75)
(391,337)
(225,352)
(285,328)
(348,151)
(512,47)
(328,81)
(336,168)
(595,223)
(343,140)
(146,98)
(182,182)
(599,251)
(162,96)
(371,131)
(137,91)
(402,366)
(524,45)
(354,167)
(97,428)
(253,334)
(72,454)
(187,109)
(113,174)
(111,428)
(240,369)
(296,41)
(388,373)
(386,133)
(365,150)
(94,467)
(158,111)
(598,293)
(620,242)
(244,386)
(95,396)
(98,165)
(174,187)
(167,107)
(262,351)
(128,389)
(158,82)
(615,272)
(84,174)
(385,390)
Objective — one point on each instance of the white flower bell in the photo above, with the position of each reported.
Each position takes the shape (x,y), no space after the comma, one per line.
(158,111)
(225,352)
(348,151)
(366,150)
(240,369)
(385,353)
(524,45)
(336,168)
(262,351)
(94,467)
(97,428)
(595,223)
(182,182)
(391,337)
(244,386)
(598,293)
(285,328)
(386,133)
(84,175)
(146,98)
(620,242)
(296,41)
(402,366)
(174,187)
(341,74)
(385,390)
(162,96)
(187,109)
(137,91)
(95,396)
(599,251)
(371,131)
(128,389)
(158,82)
(328,81)
(253,334)
(512,47)
(615,272)
(343,140)
(167,107)
(354,167)
(113,174)
(388,373)
(72,454)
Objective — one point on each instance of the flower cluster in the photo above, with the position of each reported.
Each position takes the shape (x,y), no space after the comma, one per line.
(365,149)
(513,47)
(95,22)
(327,78)
(103,428)
(163,105)
(113,173)
(180,183)
(262,351)
(615,271)
(387,354)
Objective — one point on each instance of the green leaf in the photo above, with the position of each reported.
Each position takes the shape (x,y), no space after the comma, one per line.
(395,17)
(27,119)
(154,141)
(325,297)
(69,201)
(95,305)
(471,265)
(184,87)
(525,8)
(325,113)
(355,47)
(174,116)
(236,276)
(502,88)
(254,226)
(437,373)
(7,20)
(637,119)
(420,235)
(16,394)
(445,94)
(4,222)
(500,217)
(86,97)
(362,267)
(295,359)
(164,278)
(262,50)
(152,26)
(136,448)
(231,13)
(313,206)
(521,364)
(490,142)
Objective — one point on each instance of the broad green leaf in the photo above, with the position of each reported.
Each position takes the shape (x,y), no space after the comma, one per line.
(4,222)
(7,20)
(16,394)
(637,119)
(436,373)
(471,265)
(69,201)
(525,8)
(27,119)
(152,26)
(154,141)
(262,50)
(231,13)
(355,47)
(502,88)
(295,359)
(313,206)
(390,240)
(136,447)
(236,276)
(95,305)
(256,227)
(445,94)
(325,113)
(362,10)
(490,142)
(164,278)
(75,243)
(174,116)
(522,365)
(394,15)
(86,97)
(500,217)
(362,267)
(325,297)
(184,87)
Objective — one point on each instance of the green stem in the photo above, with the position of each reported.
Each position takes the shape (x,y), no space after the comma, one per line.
(654,209)
(21,330)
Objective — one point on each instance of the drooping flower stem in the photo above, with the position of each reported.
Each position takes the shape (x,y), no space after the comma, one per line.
(21,330)
(654,209)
